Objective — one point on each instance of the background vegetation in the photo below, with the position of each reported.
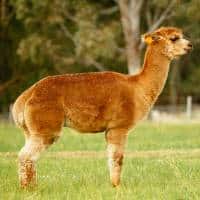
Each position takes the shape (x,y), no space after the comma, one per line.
(41,38)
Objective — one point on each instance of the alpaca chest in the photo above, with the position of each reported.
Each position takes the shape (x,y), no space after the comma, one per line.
(141,110)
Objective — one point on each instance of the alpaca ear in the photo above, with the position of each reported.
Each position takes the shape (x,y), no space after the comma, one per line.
(149,38)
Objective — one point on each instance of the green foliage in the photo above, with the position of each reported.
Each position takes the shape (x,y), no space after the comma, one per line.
(89,39)
(40,38)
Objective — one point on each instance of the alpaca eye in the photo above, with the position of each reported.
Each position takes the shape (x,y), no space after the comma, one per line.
(174,39)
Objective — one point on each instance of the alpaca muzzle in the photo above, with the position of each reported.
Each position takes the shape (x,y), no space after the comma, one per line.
(190,46)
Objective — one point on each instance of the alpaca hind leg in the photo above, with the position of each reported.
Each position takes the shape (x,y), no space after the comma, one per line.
(27,158)
(115,148)
(44,123)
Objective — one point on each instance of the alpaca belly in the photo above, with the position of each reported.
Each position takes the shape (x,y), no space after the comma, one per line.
(85,123)
(85,120)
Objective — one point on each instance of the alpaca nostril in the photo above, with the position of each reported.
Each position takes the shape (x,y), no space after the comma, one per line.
(190,45)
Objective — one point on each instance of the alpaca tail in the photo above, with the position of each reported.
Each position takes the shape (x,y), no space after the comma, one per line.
(19,106)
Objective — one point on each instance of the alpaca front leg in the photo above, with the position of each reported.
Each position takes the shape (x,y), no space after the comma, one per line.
(115,160)
(115,149)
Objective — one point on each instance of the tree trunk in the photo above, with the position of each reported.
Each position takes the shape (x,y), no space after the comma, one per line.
(130,17)
(133,57)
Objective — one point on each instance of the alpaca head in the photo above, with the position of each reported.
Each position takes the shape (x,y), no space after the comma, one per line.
(169,41)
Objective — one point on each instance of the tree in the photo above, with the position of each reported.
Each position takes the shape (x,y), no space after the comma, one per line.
(69,34)
(41,38)
(8,73)
(156,12)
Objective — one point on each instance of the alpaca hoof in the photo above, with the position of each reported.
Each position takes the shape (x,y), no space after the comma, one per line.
(27,183)
(27,174)
(115,185)
(25,186)
(115,182)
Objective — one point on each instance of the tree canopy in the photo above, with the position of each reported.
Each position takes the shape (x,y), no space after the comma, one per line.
(40,38)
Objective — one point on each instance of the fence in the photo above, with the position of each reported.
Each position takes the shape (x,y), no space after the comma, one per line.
(159,113)
(182,112)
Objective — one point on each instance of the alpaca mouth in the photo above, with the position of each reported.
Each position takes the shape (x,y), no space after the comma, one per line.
(187,50)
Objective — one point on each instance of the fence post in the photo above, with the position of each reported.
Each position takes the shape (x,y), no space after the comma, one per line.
(10,118)
(189,107)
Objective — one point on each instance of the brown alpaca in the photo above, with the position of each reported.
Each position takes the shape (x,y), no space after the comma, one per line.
(94,102)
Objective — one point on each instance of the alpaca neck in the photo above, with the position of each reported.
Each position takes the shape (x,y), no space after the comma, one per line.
(154,74)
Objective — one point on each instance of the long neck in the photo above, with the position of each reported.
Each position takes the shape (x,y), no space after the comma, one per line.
(154,73)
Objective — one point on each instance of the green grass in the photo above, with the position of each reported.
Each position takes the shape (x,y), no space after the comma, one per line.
(88,179)
(168,177)
(146,136)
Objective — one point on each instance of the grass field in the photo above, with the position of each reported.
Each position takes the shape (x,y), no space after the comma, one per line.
(163,162)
